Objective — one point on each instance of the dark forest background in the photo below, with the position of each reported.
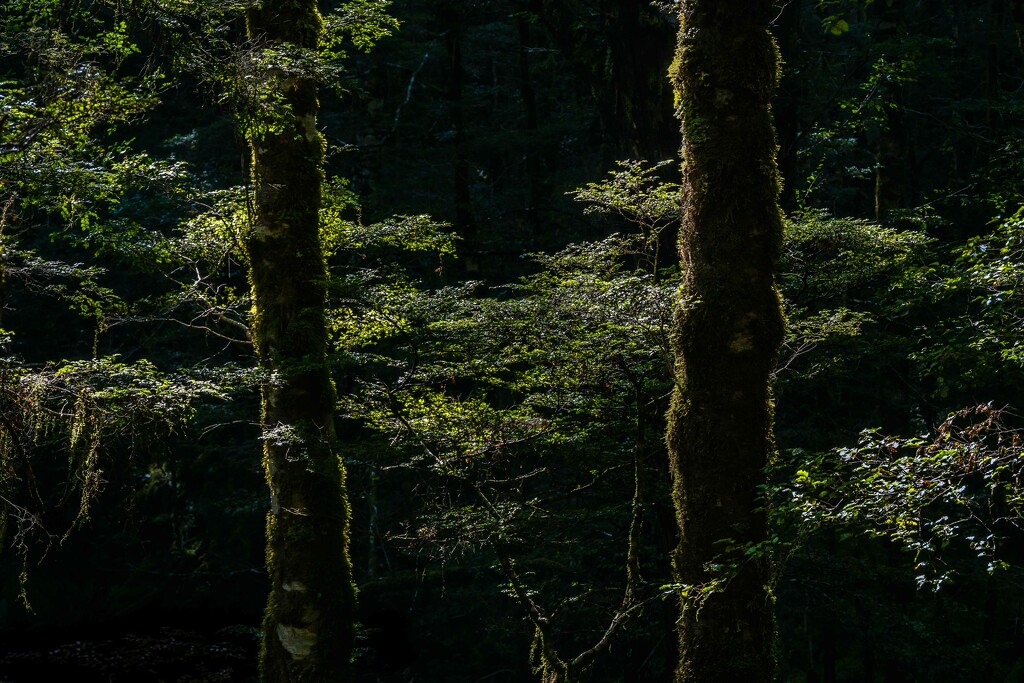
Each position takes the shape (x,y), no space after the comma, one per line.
(522,331)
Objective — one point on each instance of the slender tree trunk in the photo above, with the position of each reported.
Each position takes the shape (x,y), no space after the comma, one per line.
(787,102)
(625,68)
(639,45)
(728,329)
(1017,9)
(308,624)
(892,151)
(452,16)
(536,187)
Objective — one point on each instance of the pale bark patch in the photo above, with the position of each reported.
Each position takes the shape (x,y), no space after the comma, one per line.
(296,640)
(309,124)
(263,230)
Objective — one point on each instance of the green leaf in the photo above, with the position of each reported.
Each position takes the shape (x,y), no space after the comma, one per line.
(839,27)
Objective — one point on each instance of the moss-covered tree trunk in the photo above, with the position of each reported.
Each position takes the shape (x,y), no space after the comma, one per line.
(308,624)
(728,329)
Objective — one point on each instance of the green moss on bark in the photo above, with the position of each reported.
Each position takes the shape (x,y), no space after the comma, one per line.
(726,338)
(308,622)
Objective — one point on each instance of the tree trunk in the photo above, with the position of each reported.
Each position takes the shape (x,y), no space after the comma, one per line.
(728,329)
(1017,9)
(639,45)
(891,150)
(308,624)
(787,102)
(623,60)
(452,16)
(534,168)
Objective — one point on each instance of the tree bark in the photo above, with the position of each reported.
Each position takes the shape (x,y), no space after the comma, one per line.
(534,169)
(639,49)
(728,328)
(1017,9)
(308,623)
(452,16)
(787,102)
(623,60)
(892,152)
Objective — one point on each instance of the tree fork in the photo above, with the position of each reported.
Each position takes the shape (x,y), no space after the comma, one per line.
(728,329)
(308,623)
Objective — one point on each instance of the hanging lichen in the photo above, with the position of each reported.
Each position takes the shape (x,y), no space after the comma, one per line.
(80,412)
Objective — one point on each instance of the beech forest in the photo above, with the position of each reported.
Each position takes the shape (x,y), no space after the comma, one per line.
(512,341)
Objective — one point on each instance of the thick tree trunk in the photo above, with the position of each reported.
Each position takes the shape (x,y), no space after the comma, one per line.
(308,624)
(728,329)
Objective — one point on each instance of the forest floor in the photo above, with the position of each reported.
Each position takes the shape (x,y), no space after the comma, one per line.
(164,655)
